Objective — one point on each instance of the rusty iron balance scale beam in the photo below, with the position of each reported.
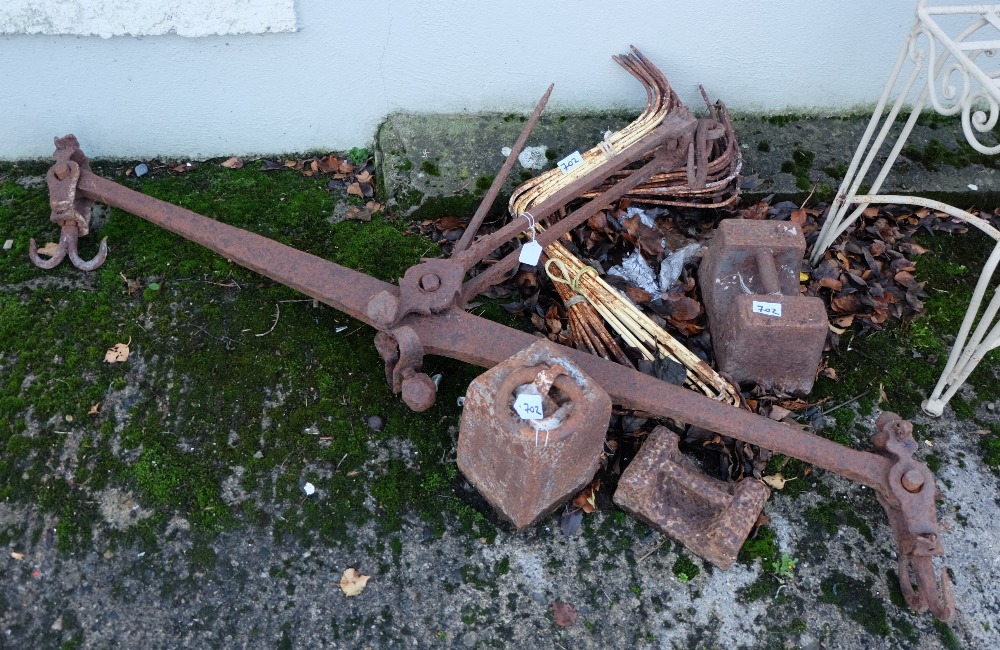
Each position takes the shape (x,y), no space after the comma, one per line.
(423,315)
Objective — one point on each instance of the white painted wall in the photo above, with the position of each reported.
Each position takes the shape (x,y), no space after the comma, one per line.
(328,85)
(107,18)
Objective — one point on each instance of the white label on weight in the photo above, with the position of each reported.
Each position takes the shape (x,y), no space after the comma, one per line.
(529,407)
(570,162)
(530,253)
(767,308)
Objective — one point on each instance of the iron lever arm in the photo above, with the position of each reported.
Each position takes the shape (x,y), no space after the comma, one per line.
(343,289)
(457,334)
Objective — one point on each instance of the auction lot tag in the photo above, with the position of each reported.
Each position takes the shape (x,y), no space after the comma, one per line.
(569,162)
(529,407)
(530,253)
(767,308)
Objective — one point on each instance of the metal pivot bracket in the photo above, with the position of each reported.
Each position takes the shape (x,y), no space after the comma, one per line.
(909,504)
(403,354)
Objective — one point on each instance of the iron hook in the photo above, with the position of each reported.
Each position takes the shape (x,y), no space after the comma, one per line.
(928,597)
(67,247)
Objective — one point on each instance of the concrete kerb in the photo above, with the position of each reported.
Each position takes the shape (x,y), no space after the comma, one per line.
(425,157)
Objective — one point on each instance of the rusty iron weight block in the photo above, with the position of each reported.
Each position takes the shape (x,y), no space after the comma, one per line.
(762,329)
(667,490)
(527,468)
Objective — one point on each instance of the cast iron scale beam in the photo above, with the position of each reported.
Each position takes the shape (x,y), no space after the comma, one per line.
(424,315)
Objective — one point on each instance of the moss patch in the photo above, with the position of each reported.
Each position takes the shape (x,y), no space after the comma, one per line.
(935,155)
(833,514)
(798,166)
(684,568)
(990,446)
(854,597)
(235,384)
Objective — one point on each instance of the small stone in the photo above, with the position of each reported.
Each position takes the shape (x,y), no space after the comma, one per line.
(9,244)
(258,454)
(69,418)
(309,489)
(991,406)
(141,170)
(108,555)
(58,624)
(375,422)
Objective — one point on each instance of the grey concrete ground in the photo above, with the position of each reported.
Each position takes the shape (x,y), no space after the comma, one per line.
(251,589)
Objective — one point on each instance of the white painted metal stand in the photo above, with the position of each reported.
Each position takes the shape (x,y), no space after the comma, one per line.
(939,62)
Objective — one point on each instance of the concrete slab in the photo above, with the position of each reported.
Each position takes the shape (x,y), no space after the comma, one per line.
(426,157)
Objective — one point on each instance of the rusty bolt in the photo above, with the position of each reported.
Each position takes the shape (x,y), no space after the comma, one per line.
(419,392)
(62,171)
(382,307)
(913,480)
(430,283)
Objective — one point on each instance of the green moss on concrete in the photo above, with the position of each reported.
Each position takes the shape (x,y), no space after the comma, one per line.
(935,155)
(990,446)
(783,119)
(836,172)
(203,393)
(763,545)
(948,638)
(799,166)
(834,514)
(684,569)
(855,599)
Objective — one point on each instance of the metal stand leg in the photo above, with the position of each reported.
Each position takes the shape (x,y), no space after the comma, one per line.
(977,90)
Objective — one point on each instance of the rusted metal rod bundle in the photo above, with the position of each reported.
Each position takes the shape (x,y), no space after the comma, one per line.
(707,177)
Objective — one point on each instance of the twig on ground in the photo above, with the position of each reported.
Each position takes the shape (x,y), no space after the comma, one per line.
(277,314)
(655,549)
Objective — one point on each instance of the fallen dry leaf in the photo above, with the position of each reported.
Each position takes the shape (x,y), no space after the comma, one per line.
(49,249)
(233,163)
(445,224)
(637,295)
(117,353)
(94,409)
(844,321)
(563,613)
(778,412)
(131,285)
(777,481)
(329,164)
(16,555)
(353,583)
(587,499)
(355,189)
